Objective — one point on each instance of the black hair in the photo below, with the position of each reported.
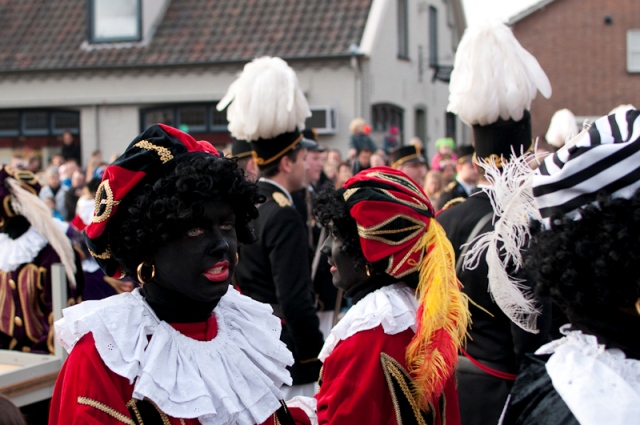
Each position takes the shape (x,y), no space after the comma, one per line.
(331,212)
(162,210)
(589,265)
(272,169)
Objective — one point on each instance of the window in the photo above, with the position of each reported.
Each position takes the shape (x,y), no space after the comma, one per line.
(420,123)
(433,37)
(633,50)
(115,21)
(384,115)
(218,119)
(403,29)
(9,123)
(40,122)
(450,125)
(62,121)
(190,118)
(193,118)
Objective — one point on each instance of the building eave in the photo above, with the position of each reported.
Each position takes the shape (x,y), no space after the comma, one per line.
(528,11)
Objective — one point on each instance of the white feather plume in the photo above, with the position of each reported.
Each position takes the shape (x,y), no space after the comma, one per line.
(563,126)
(265,101)
(494,76)
(39,216)
(511,195)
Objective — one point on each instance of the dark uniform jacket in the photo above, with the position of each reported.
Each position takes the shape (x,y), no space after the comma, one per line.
(275,270)
(493,339)
(326,293)
(452,191)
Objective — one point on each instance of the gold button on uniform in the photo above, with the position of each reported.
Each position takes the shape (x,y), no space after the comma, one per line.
(12,283)
(17,321)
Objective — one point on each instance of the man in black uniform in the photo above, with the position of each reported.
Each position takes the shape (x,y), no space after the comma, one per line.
(466,177)
(326,293)
(275,269)
(410,160)
(495,345)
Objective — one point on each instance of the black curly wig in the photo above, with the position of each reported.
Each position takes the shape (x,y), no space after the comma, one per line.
(331,209)
(161,210)
(589,265)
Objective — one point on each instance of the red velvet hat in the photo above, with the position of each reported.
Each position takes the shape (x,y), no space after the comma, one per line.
(395,224)
(392,213)
(152,153)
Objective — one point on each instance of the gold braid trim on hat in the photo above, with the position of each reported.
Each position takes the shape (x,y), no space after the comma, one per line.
(6,202)
(164,153)
(405,159)
(262,161)
(242,155)
(499,161)
(104,256)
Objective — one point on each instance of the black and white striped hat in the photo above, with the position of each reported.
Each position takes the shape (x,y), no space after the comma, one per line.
(606,158)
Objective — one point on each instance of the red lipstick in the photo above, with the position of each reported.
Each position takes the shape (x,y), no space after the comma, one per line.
(217,273)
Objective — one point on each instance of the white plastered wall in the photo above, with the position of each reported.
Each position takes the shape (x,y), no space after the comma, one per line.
(109,102)
(400,82)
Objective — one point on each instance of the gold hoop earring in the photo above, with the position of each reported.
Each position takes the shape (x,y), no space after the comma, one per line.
(638,306)
(139,270)
(237,258)
(1,221)
(367,270)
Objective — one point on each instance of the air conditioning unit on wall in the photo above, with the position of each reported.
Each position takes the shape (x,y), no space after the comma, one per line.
(323,119)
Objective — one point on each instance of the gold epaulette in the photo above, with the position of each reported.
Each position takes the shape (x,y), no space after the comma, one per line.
(453,203)
(281,199)
(451,186)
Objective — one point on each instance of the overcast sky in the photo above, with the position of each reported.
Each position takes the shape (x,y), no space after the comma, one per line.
(477,10)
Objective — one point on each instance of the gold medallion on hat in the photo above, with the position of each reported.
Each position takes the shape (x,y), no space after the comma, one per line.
(104,203)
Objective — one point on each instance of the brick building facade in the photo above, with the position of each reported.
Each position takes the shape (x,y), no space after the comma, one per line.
(582,46)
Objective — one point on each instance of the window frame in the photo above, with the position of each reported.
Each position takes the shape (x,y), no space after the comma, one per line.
(175,108)
(91,36)
(433,36)
(633,50)
(402,26)
(50,130)
(384,115)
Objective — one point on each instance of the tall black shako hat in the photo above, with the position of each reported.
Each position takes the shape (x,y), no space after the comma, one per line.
(406,154)
(152,154)
(241,149)
(493,83)
(266,107)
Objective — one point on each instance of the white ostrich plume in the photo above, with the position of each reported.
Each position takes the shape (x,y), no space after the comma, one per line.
(265,101)
(39,216)
(494,76)
(563,126)
(511,195)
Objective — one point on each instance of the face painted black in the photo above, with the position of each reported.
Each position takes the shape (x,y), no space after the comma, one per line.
(343,266)
(201,262)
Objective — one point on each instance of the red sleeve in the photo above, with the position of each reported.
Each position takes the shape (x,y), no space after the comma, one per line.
(353,387)
(87,392)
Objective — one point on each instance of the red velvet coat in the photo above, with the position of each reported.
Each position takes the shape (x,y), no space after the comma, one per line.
(88,392)
(354,389)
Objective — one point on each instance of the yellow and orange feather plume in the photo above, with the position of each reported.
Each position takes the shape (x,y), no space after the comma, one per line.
(442,317)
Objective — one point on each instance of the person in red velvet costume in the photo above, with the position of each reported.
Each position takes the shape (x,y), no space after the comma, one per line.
(185,347)
(31,241)
(391,358)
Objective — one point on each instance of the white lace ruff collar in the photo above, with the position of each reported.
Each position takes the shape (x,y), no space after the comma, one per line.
(232,379)
(394,307)
(15,252)
(599,385)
